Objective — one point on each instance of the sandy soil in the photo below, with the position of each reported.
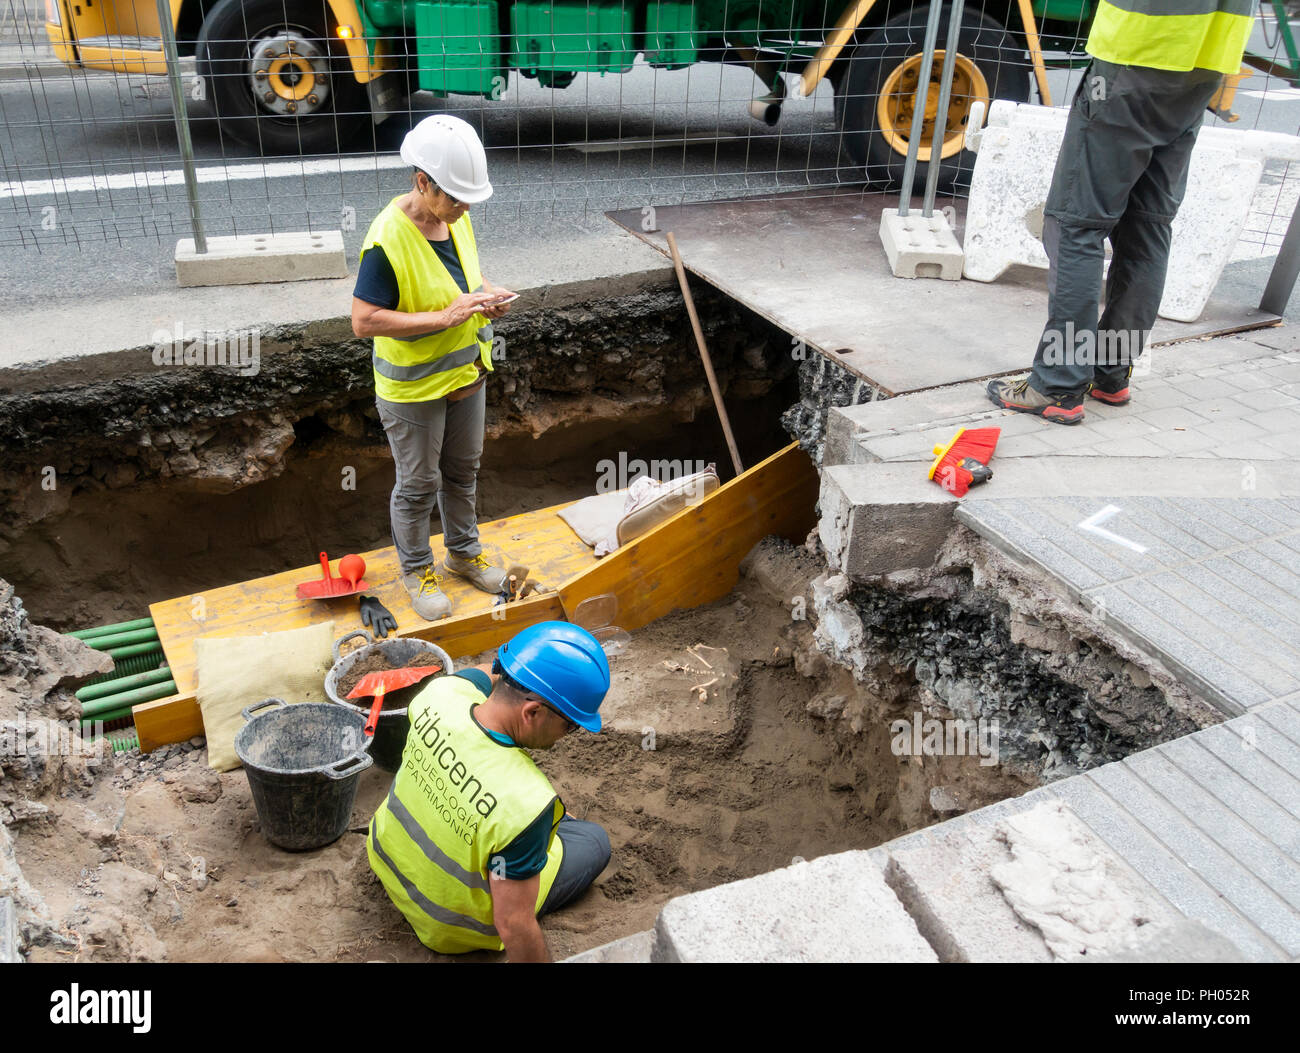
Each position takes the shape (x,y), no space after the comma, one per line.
(163,859)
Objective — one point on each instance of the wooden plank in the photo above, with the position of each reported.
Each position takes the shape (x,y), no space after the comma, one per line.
(694,558)
(539,539)
(178,718)
(691,559)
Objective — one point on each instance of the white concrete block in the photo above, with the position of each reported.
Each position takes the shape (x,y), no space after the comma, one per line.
(249,259)
(941,876)
(1063,880)
(1016,155)
(918,246)
(833,909)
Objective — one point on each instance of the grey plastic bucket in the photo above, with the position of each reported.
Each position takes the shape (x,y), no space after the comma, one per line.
(390,733)
(303,762)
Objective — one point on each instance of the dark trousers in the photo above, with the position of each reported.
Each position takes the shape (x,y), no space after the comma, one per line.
(1121,173)
(586,854)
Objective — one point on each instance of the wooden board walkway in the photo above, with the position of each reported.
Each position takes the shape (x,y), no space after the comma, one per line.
(691,559)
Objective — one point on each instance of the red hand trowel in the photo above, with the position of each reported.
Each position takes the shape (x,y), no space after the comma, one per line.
(328,587)
(380,683)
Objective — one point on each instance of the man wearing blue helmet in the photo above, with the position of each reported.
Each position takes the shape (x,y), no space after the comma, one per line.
(472,843)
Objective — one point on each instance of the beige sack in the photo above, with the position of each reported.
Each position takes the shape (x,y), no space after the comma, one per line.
(237,671)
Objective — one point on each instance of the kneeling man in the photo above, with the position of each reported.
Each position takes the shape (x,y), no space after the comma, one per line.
(472,843)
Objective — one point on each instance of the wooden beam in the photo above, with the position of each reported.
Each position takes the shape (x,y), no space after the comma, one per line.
(694,558)
(689,560)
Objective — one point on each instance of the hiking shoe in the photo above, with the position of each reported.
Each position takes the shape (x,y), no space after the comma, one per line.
(1019,396)
(425,589)
(477,571)
(1111,395)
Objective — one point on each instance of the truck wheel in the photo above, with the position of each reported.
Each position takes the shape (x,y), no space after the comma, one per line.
(875,94)
(275,79)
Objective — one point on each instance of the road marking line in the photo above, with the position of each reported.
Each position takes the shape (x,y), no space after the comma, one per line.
(212,174)
(1272,94)
(1093,525)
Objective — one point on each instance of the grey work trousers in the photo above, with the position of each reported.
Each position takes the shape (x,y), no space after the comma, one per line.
(586,854)
(436,450)
(1121,172)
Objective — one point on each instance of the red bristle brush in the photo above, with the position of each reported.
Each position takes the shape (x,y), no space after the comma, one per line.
(963,461)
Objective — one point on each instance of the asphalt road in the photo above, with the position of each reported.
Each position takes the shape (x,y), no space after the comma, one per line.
(91,200)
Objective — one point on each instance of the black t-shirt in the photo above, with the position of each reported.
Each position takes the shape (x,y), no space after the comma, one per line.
(377,282)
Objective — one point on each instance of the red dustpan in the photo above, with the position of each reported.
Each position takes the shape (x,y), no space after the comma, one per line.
(329,587)
(383,681)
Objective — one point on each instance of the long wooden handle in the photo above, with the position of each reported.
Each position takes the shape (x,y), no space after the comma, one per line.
(704,353)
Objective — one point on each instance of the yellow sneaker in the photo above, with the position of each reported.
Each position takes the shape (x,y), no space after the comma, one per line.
(425,589)
(477,571)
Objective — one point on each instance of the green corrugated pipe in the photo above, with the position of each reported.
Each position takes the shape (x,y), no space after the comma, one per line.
(112,714)
(128,698)
(109,630)
(133,650)
(123,683)
(135,636)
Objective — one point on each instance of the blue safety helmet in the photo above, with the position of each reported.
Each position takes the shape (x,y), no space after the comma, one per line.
(563,664)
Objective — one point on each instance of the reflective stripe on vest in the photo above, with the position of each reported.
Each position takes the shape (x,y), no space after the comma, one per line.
(444,917)
(1176,35)
(457,800)
(427,366)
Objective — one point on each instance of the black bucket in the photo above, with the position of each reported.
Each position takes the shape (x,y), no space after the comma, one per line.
(303,762)
(394,721)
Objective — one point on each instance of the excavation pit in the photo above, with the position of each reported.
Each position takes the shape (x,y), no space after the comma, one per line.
(165,857)
(734,744)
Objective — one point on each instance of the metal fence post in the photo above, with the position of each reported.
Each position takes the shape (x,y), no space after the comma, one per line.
(918,113)
(1286,268)
(182,121)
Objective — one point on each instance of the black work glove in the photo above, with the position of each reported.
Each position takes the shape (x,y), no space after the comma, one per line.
(376,617)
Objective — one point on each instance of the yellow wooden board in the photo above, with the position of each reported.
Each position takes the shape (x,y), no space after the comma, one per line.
(540,540)
(694,558)
(687,561)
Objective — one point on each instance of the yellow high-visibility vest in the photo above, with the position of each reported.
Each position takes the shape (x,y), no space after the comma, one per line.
(1172,34)
(423,368)
(457,801)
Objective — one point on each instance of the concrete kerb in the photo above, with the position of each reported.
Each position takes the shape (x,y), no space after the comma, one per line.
(836,908)
(634,949)
(884,517)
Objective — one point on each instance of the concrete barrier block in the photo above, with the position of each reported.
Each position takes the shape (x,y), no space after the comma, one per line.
(1013,171)
(833,909)
(249,259)
(920,246)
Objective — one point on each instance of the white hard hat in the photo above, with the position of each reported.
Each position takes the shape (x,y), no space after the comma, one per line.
(448,151)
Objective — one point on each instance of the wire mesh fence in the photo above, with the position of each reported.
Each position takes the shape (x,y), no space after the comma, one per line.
(296,108)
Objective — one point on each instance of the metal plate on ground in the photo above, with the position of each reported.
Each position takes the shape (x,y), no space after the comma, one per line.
(812,264)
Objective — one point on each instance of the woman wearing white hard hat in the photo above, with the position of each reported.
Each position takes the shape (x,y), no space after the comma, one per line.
(421,296)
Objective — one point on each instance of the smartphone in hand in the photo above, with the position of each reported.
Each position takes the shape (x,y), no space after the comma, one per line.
(501,300)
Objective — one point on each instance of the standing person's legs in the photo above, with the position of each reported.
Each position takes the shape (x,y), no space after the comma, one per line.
(1141,239)
(462,449)
(415,435)
(1063,364)
(586,854)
